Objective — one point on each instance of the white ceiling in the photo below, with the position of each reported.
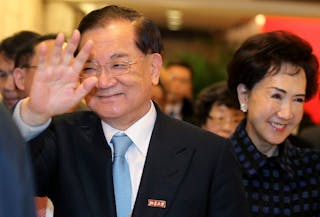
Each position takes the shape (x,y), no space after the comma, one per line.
(211,15)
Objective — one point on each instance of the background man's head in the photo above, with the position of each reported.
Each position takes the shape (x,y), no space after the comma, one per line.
(9,47)
(179,81)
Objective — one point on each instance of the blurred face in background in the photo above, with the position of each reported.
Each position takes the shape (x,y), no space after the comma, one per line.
(223,120)
(180,83)
(8,89)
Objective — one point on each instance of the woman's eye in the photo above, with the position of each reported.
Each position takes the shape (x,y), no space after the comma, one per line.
(276,96)
(301,100)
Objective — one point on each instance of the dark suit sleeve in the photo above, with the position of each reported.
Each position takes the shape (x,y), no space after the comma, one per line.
(16,184)
(228,197)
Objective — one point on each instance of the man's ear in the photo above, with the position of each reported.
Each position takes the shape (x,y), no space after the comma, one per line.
(243,95)
(18,76)
(156,68)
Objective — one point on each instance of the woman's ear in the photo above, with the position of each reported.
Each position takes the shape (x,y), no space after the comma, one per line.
(156,68)
(18,76)
(243,95)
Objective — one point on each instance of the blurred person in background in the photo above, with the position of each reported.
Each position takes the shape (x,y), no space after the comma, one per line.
(272,75)
(8,50)
(16,184)
(217,111)
(178,86)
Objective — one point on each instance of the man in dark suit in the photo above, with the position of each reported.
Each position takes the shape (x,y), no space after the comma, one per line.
(175,169)
(16,184)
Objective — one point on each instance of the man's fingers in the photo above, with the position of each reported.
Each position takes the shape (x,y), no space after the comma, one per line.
(85,87)
(56,54)
(71,48)
(42,57)
(82,56)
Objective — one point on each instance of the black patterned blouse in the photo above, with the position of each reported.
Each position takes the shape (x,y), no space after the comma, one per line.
(284,185)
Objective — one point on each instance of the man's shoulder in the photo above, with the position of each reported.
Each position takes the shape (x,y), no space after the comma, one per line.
(187,132)
(78,117)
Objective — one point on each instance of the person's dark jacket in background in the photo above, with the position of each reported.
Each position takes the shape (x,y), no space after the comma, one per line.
(16,181)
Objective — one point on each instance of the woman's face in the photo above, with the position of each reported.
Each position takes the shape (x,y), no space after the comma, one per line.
(275,106)
(223,120)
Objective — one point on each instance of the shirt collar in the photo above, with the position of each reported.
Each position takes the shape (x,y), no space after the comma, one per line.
(140,132)
(253,160)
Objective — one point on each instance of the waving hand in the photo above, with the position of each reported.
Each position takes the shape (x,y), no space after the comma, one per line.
(55,87)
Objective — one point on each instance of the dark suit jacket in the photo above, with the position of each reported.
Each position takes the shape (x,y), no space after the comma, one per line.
(16,183)
(193,171)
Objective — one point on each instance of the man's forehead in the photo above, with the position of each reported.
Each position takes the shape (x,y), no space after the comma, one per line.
(114,27)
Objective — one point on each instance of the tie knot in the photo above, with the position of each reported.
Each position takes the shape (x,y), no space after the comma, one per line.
(121,143)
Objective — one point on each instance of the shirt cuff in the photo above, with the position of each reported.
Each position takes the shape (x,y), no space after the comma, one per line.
(28,132)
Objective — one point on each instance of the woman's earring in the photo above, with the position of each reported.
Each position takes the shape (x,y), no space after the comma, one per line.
(243,107)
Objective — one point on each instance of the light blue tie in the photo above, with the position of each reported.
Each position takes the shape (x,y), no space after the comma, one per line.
(121,175)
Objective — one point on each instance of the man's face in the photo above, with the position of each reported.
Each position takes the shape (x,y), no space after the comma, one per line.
(7,86)
(120,100)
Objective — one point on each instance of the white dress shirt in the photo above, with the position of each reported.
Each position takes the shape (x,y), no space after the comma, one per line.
(140,134)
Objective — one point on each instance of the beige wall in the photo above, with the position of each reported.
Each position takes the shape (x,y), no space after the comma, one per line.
(60,17)
(19,15)
(36,15)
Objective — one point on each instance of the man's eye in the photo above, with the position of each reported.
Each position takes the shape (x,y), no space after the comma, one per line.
(3,75)
(89,69)
(119,65)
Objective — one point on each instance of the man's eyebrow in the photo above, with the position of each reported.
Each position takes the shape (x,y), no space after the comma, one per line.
(3,71)
(113,57)
(119,55)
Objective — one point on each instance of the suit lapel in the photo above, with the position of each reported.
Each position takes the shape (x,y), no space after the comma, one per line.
(94,155)
(166,164)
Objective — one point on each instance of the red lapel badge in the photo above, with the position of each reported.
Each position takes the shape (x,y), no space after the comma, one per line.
(157,203)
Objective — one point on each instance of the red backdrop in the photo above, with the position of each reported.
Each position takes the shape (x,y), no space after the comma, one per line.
(309,29)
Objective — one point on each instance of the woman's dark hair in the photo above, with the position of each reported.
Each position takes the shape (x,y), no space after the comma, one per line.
(266,52)
(148,34)
(217,93)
